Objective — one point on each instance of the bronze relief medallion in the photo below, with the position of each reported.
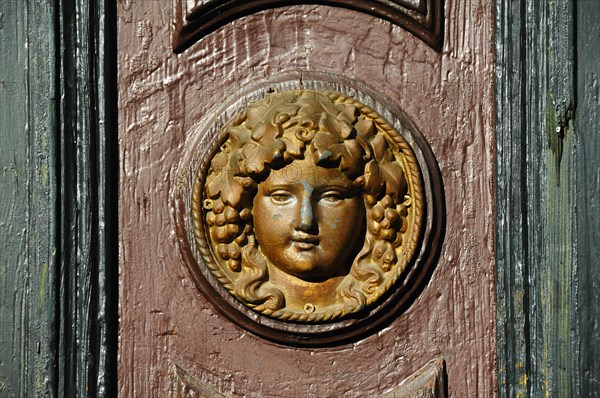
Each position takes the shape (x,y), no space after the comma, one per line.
(308,214)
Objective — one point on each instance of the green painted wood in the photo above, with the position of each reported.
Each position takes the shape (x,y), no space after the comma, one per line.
(547,199)
(13,192)
(586,140)
(28,191)
(58,258)
(88,205)
(511,242)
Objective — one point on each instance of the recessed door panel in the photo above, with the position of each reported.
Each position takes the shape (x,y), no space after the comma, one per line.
(413,123)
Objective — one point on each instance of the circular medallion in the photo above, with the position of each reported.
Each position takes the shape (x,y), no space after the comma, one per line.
(310,218)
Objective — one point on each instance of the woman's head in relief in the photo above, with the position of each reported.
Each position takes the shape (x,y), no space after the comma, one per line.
(305,204)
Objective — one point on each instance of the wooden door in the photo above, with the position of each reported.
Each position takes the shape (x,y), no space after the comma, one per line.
(59,196)
(427,69)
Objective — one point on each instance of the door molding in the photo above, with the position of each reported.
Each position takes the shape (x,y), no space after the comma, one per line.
(424,18)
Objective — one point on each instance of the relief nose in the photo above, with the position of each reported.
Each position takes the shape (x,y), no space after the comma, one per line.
(306,213)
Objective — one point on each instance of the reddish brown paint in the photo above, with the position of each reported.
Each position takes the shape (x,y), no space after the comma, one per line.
(165,321)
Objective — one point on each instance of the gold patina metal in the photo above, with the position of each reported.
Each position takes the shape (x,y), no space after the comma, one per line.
(312,207)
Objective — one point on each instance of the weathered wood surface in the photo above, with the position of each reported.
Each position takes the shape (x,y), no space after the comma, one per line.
(58,281)
(585,147)
(28,192)
(547,202)
(449,96)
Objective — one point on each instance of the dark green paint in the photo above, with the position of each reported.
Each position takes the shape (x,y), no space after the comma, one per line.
(58,281)
(586,140)
(548,267)
(28,193)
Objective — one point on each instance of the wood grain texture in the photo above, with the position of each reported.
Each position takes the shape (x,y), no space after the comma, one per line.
(58,292)
(547,199)
(164,322)
(586,147)
(512,303)
(28,224)
(87,205)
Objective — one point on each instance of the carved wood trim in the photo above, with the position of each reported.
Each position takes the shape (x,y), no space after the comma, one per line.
(427,382)
(196,19)
(186,386)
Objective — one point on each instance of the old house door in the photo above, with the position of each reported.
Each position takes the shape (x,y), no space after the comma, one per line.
(328,198)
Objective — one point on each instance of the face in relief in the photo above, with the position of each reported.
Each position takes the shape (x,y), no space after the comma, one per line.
(308,220)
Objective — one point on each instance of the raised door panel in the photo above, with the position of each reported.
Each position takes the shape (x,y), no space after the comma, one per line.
(175,339)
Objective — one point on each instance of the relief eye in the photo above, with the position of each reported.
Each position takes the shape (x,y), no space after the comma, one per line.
(280,196)
(332,197)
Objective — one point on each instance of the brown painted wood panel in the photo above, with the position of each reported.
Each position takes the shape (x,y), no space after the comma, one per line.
(165,322)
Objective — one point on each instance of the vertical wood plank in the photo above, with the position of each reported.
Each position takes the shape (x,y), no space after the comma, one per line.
(511,250)
(28,188)
(547,198)
(58,280)
(586,145)
(14,190)
(88,311)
